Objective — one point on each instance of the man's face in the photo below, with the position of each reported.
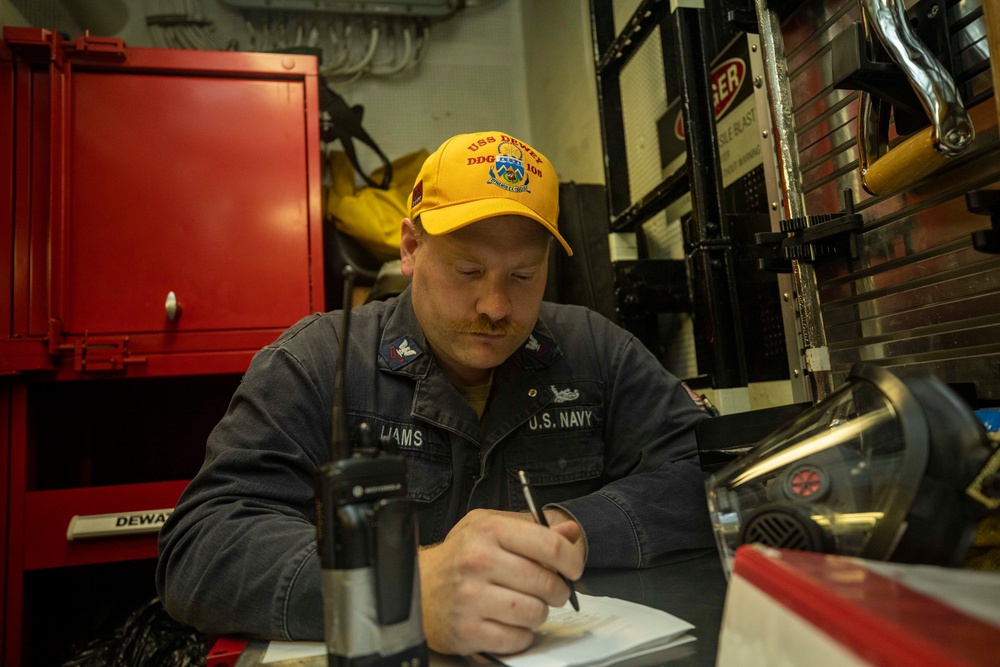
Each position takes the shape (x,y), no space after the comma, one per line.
(477,291)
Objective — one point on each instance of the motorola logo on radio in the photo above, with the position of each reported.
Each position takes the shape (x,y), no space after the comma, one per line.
(359,490)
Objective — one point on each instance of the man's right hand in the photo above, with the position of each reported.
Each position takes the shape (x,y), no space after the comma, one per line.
(491,582)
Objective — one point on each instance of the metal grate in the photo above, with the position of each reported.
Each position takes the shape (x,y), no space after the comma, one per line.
(779,529)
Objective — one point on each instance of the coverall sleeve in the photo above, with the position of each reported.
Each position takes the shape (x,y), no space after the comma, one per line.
(238,555)
(654,504)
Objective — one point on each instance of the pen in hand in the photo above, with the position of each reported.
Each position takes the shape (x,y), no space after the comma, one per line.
(540,519)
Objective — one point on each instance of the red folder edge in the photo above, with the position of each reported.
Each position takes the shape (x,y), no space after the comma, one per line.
(881,620)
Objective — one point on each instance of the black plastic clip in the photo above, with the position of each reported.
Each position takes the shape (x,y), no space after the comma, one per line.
(651,286)
(742,19)
(861,62)
(812,238)
(854,69)
(985,202)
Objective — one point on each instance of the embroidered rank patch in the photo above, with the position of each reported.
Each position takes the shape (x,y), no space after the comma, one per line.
(540,347)
(400,352)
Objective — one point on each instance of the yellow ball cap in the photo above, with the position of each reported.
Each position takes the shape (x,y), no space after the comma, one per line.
(482,175)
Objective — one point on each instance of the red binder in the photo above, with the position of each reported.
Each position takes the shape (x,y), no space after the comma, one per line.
(796,607)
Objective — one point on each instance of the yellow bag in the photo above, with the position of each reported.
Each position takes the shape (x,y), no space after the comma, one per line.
(369,215)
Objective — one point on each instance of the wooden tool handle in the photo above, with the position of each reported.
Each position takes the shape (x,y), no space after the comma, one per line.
(915,158)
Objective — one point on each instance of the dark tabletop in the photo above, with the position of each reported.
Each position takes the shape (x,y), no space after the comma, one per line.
(691,587)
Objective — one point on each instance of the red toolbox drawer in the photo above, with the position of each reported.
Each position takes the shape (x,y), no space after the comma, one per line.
(47,516)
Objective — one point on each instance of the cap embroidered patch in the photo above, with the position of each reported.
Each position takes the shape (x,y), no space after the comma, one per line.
(509,171)
(400,352)
(540,347)
(418,192)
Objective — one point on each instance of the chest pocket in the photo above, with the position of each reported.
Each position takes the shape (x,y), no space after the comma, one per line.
(562,453)
(429,480)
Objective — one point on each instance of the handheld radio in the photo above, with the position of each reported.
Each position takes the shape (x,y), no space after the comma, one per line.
(367,536)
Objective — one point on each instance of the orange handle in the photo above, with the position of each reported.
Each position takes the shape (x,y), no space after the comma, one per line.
(915,158)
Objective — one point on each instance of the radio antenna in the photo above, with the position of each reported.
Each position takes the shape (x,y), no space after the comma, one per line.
(340,437)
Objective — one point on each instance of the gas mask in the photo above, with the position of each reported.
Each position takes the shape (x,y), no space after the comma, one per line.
(884,468)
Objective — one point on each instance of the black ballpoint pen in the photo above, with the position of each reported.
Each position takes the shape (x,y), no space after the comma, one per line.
(540,518)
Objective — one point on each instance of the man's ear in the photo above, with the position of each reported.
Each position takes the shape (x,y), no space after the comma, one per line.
(407,247)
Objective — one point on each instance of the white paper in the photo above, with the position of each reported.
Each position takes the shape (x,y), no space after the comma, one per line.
(278,651)
(604,631)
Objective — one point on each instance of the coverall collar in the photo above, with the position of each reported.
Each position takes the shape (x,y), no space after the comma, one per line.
(403,331)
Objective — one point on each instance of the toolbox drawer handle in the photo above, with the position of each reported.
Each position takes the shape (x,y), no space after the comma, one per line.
(173,307)
(119,524)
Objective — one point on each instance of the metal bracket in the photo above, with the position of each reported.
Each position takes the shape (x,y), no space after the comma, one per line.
(744,19)
(985,488)
(96,49)
(45,45)
(812,238)
(34,44)
(854,69)
(103,353)
(651,286)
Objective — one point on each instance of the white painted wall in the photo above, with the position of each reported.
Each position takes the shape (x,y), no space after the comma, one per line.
(521,66)
(561,87)
(472,79)
(10,15)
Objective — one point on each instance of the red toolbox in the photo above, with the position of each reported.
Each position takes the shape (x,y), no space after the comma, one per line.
(162,223)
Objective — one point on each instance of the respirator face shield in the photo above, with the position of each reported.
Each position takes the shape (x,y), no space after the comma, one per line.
(840,478)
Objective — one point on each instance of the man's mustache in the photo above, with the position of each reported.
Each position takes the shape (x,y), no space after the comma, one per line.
(484,325)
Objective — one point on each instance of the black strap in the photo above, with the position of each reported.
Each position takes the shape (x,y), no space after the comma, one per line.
(345,124)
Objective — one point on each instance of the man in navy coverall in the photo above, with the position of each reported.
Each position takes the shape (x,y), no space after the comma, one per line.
(475,378)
